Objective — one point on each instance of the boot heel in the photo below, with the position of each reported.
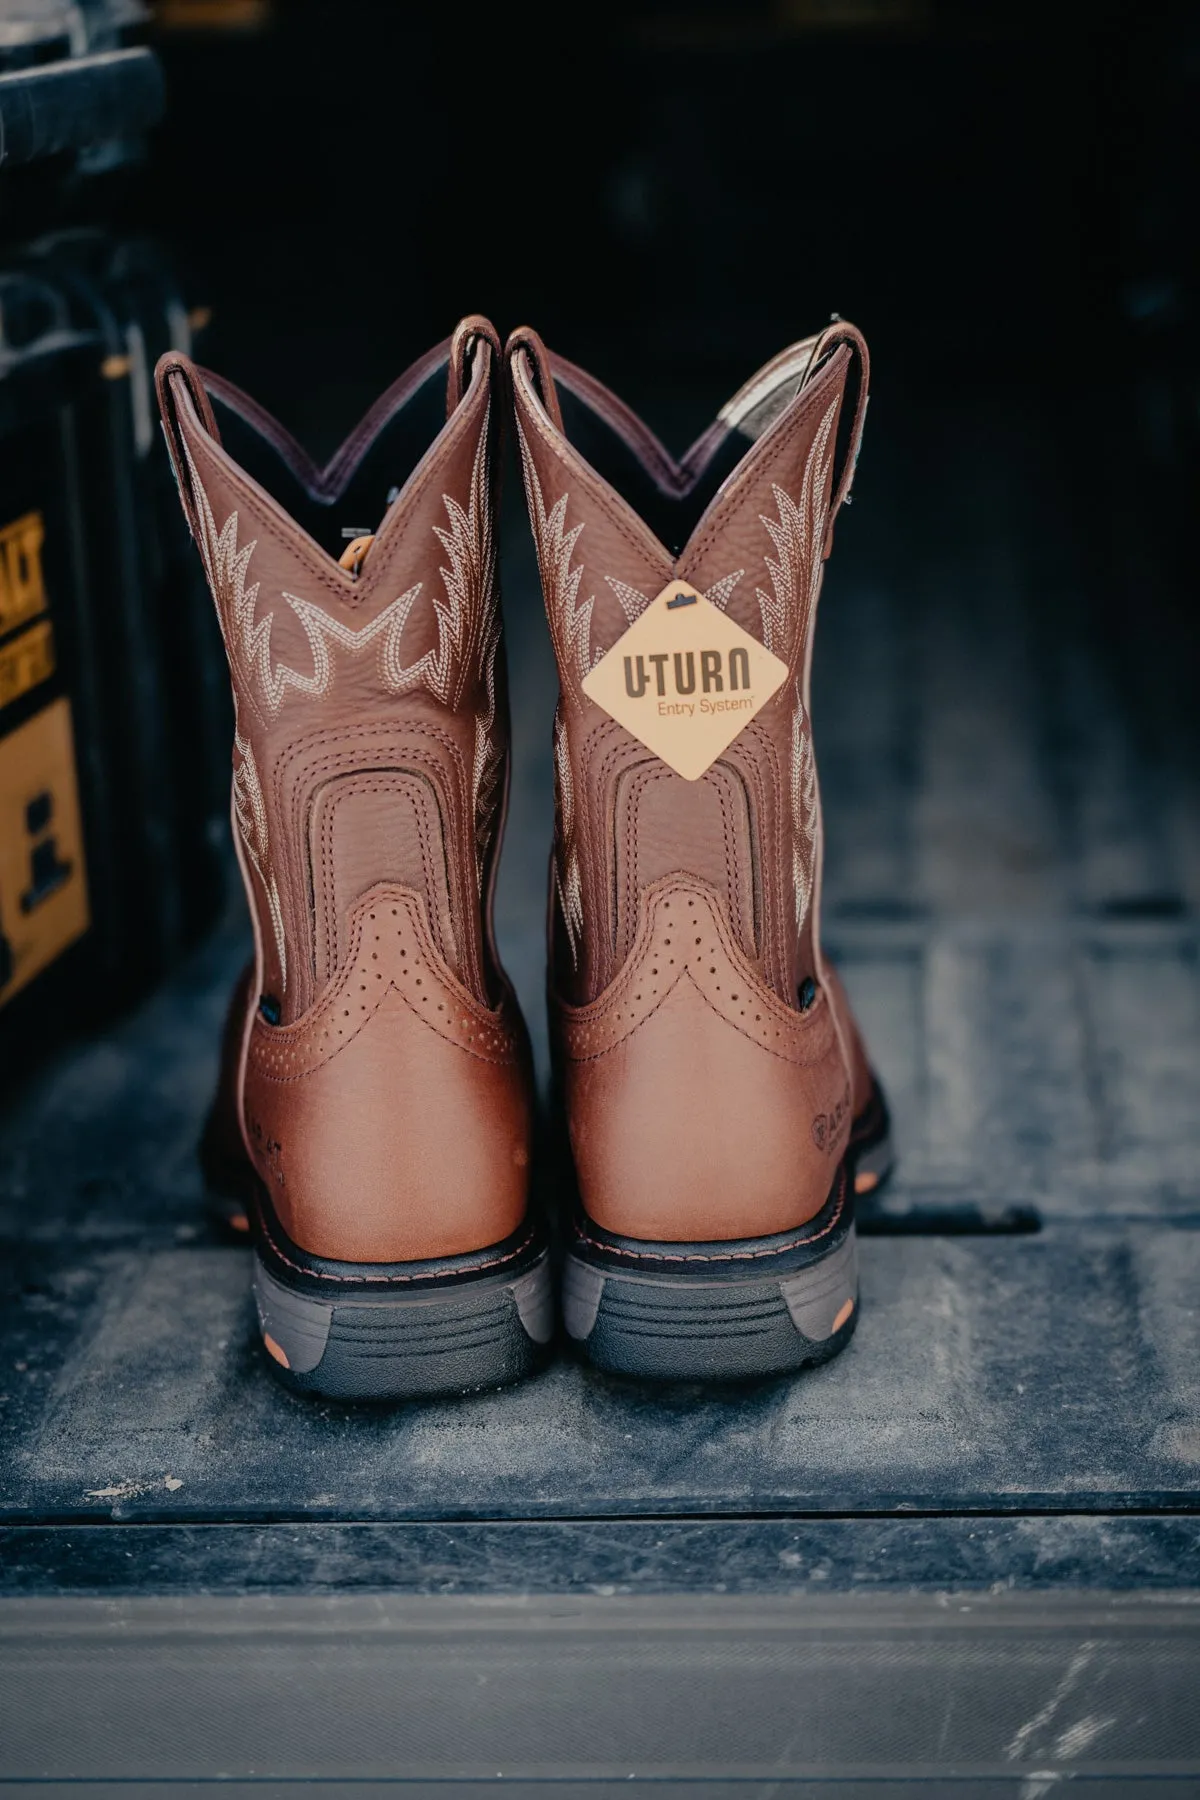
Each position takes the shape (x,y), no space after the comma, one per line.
(398,1333)
(721,1311)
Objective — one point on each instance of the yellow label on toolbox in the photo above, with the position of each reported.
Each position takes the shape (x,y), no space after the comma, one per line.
(22,588)
(25,661)
(43,884)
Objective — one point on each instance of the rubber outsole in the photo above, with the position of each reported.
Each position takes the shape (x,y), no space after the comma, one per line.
(366,1342)
(724,1312)
(871,1153)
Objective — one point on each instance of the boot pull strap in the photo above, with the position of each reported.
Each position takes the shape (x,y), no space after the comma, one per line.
(859,372)
(467,335)
(526,339)
(174,376)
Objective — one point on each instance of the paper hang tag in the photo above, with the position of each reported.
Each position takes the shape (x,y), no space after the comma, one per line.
(685,679)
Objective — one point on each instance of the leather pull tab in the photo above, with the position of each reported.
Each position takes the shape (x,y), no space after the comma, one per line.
(524,340)
(355,553)
(859,373)
(467,334)
(177,380)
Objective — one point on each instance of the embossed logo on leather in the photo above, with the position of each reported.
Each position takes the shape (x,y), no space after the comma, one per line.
(685,679)
(827,1128)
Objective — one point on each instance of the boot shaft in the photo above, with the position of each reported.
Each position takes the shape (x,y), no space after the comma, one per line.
(383,1088)
(745,521)
(709,1068)
(371,734)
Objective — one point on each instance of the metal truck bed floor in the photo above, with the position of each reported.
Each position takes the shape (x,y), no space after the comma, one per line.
(1004,1465)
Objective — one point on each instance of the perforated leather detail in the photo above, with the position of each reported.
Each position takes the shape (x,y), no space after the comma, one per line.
(685,935)
(376,827)
(391,951)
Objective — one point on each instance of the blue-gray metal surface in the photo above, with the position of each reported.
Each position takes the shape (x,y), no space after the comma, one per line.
(1008,747)
(77,102)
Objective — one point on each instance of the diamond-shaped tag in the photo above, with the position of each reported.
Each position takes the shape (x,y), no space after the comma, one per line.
(685,679)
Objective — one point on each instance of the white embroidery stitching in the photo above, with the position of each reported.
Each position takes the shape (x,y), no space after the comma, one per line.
(634,603)
(719,593)
(250,811)
(805,810)
(796,535)
(471,601)
(469,584)
(464,620)
(489,751)
(489,755)
(566,868)
(250,639)
(570,623)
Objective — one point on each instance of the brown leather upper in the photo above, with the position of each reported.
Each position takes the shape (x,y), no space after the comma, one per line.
(385,1082)
(709,1090)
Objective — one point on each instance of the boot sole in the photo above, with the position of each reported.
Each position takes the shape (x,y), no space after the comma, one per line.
(871,1154)
(407,1330)
(720,1311)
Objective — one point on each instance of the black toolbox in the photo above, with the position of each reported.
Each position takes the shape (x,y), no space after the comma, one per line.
(64,947)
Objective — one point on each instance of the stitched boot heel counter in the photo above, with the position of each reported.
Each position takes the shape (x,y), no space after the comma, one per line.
(392,1121)
(700,1106)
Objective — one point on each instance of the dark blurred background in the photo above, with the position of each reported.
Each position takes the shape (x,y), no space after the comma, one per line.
(1004,197)
(996,193)
(1001,194)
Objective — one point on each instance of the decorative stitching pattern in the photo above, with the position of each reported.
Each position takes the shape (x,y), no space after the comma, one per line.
(394,783)
(570,623)
(699,1256)
(465,617)
(494,1262)
(772,865)
(774,443)
(403,961)
(641,778)
(250,811)
(301,767)
(673,943)
(634,602)
(570,628)
(805,810)
(489,753)
(619,514)
(720,591)
(468,638)
(469,586)
(250,639)
(567,880)
(797,537)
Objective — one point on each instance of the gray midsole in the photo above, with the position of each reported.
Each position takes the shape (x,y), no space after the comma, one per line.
(815,1297)
(300,1324)
(296,1322)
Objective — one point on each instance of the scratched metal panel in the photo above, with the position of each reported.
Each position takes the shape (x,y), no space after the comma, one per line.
(1014,870)
(1000,1689)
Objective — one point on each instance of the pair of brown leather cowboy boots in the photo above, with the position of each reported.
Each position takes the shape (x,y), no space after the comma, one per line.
(720,1108)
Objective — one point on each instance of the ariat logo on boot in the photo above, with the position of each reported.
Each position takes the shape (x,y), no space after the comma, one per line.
(827,1128)
(685,679)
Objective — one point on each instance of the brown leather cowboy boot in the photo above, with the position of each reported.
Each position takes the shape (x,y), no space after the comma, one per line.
(383,1080)
(719,1101)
